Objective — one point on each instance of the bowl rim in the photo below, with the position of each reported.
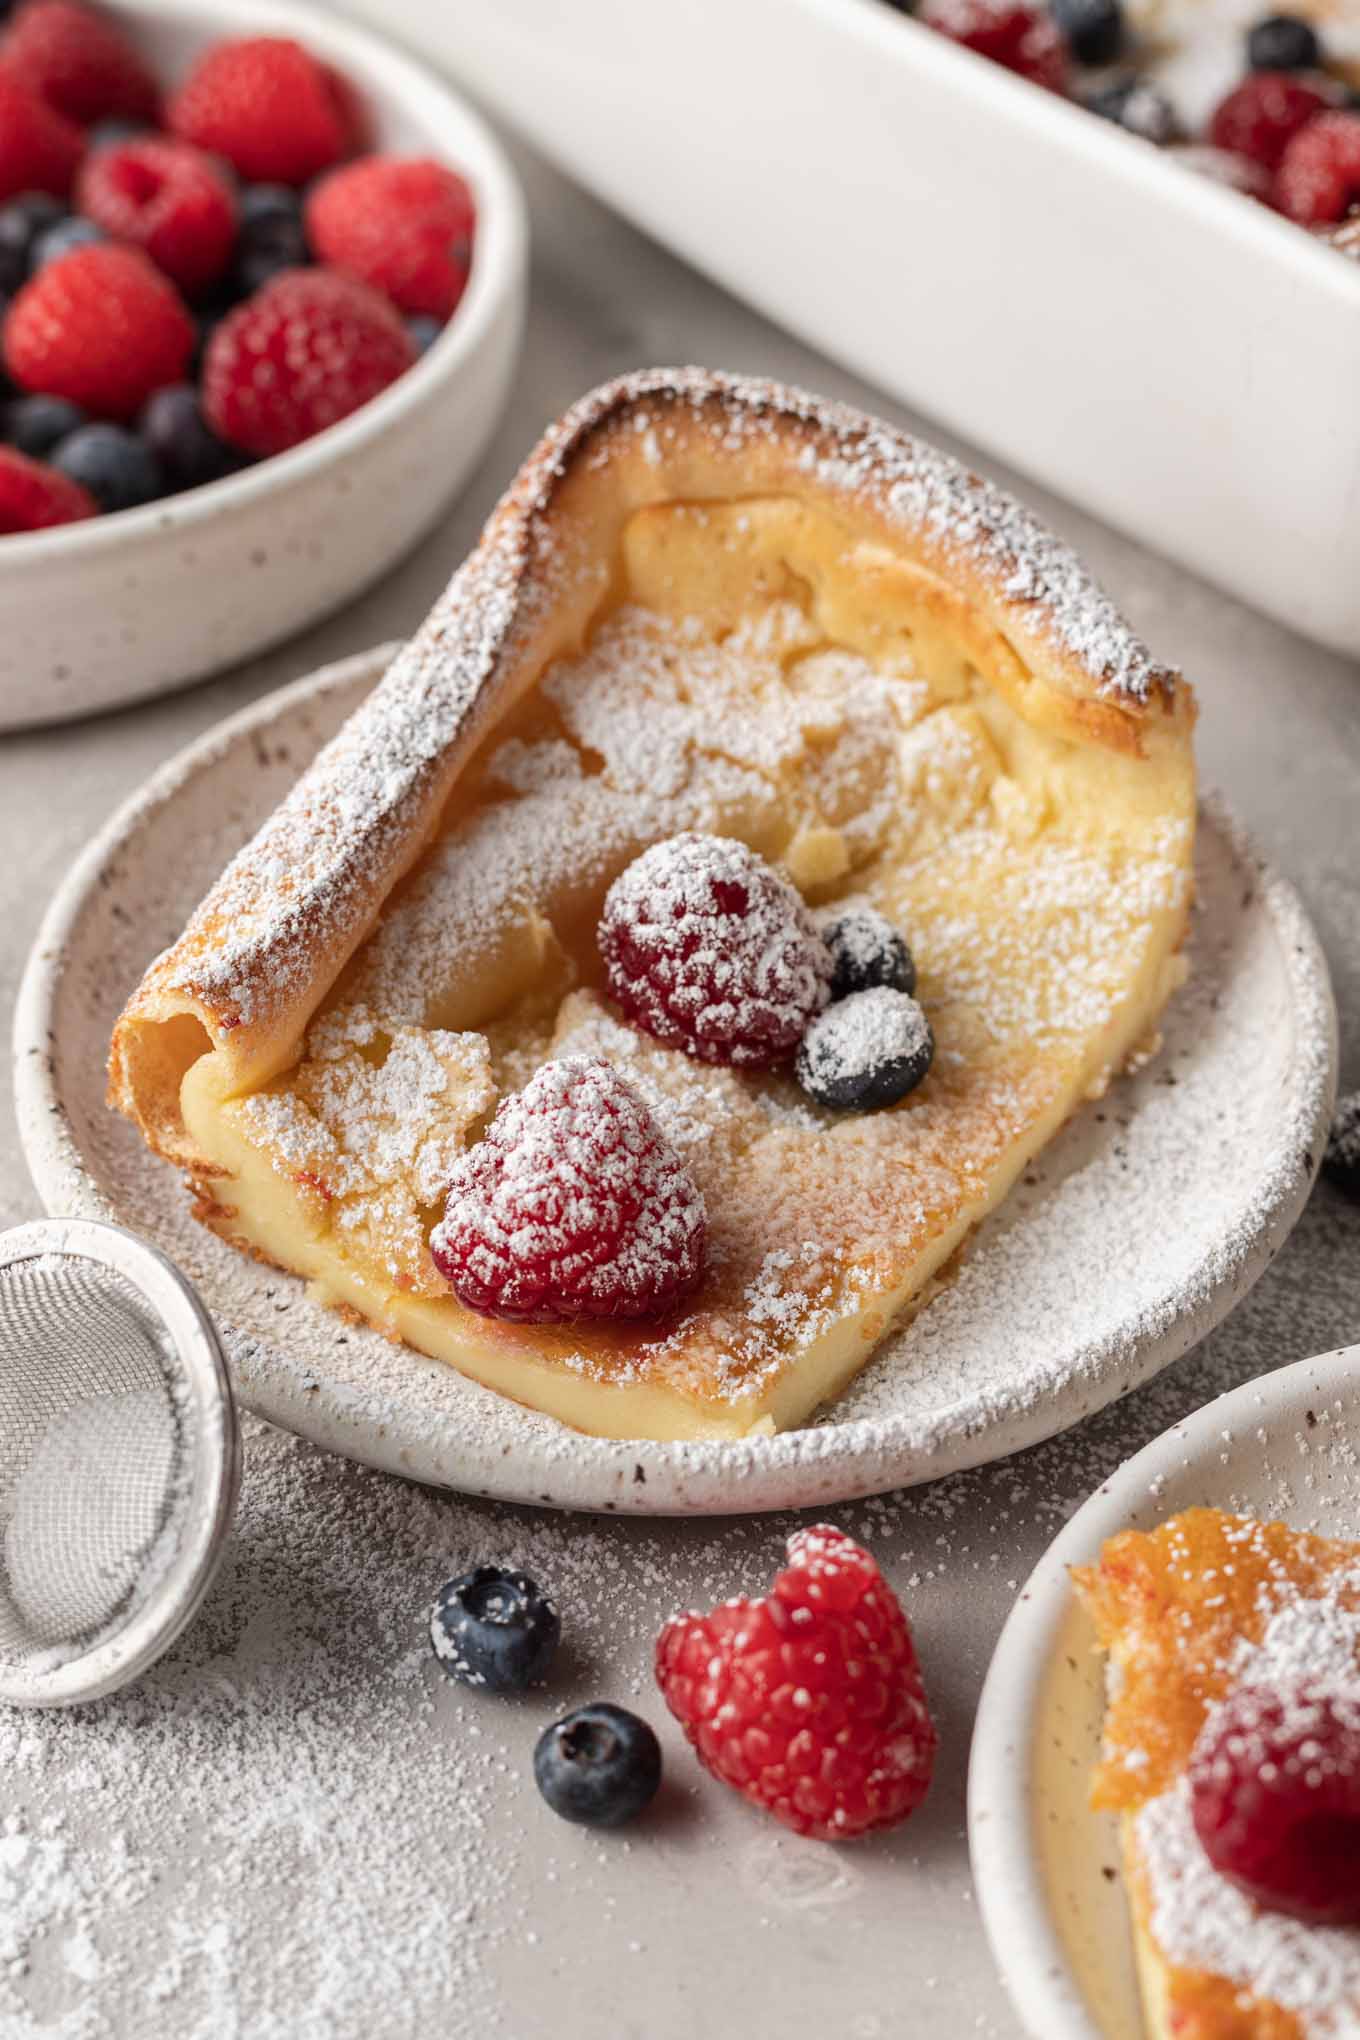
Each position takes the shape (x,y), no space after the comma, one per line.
(499,256)
(1013,1897)
(1063,121)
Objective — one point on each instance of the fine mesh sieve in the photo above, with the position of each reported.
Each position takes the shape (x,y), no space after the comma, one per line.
(119,1459)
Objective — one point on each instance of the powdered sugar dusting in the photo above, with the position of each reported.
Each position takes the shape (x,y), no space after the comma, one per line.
(300,892)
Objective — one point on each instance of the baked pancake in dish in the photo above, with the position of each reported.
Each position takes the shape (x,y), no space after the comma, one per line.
(1225,1634)
(715,607)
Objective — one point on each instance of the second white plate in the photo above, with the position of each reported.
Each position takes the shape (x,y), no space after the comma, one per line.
(1283,1446)
(1132,1236)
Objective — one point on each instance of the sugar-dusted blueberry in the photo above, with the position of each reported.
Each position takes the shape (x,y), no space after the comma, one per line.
(1283,42)
(189,454)
(1094,28)
(58,240)
(1139,108)
(36,424)
(866,950)
(424,331)
(494,1628)
(119,469)
(1341,1162)
(866,1051)
(21,221)
(599,1766)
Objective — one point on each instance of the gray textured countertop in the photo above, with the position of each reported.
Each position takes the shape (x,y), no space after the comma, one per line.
(293,1828)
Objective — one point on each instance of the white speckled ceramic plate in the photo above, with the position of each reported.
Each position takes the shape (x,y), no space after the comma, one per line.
(1133,1235)
(1284,1446)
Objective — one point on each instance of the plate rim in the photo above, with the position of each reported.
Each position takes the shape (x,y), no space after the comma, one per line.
(649,1477)
(1019,1925)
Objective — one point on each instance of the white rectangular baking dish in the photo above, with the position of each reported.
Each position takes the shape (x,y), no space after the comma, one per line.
(1165,353)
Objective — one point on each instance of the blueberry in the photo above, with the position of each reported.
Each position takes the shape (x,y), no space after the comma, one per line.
(36,424)
(273,236)
(1341,1162)
(117,468)
(1140,108)
(866,1051)
(1283,42)
(1094,28)
(189,454)
(866,950)
(495,1629)
(261,203)
(598,1766)
(424,332)
(21,222)
(111,134)
(54,242)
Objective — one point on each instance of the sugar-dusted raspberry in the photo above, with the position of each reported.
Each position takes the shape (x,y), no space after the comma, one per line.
(1275,1795)
(268,106)
(574,1206)
(310,347)
(101,327)
(1019,37)
(710,950)
(402,224)
(809,1701)
(80,62)
(39,150)
(1260,116)
(1318,180)
(32,496)
(166,198)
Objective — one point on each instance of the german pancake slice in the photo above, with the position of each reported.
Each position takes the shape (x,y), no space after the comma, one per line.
(716,605)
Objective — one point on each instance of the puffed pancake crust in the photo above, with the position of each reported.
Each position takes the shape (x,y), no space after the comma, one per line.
(714,604)
(1184,1612)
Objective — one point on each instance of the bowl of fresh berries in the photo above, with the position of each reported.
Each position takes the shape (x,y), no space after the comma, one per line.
(261,286)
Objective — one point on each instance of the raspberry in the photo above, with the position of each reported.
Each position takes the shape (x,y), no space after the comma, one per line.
(310,347)
(32,496)
(403,226)
(169,200)
(39,151)
(274,112)
(101,327)
(1275,1795)
(1021,38)
(710,950)
(1318,180)
(1259,116)
(809,1702)
(574,1206)
(79,62)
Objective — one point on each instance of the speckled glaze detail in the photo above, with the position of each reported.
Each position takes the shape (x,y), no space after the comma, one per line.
(1183,1188)
(295,903)
(119,608)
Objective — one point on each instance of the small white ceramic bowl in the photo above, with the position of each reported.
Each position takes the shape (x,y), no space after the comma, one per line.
(129,605)
(1283,1445)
